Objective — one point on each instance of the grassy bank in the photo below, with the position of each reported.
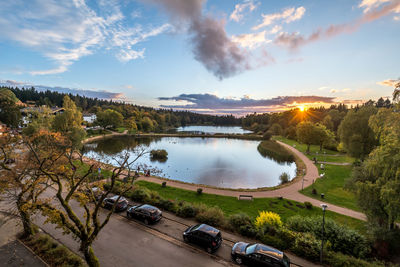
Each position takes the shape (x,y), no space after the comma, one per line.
(231,205)
(274,150)
(332,185)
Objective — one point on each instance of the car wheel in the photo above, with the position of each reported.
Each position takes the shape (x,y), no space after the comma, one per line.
(128,215)
(185,238)
(146,221)
(209,250)
(238,260)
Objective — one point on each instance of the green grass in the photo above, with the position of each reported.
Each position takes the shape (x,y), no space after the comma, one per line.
(332,185)
(82,169)
(231,205)
(120,129)
(92,133)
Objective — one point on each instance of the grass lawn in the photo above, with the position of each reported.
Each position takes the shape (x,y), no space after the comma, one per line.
(231,205)
(120,129)
(83,168)
(332,186)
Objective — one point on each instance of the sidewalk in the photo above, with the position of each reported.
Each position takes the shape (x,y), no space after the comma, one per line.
(12,252)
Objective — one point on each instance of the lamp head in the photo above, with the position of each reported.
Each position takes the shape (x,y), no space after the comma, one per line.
(324,206)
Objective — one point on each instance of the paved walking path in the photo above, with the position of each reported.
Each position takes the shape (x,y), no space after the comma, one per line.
(290,192)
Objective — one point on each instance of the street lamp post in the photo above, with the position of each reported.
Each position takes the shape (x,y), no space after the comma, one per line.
(324,207)
(304,174)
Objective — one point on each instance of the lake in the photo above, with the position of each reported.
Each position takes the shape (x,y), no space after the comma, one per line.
(213,129)
(221,162)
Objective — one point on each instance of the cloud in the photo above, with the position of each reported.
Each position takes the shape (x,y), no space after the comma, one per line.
(389,82)
(368,5)
(101,94)
(288,15)
(65,31)
(210,42)
(251,40)
(244,105)
(295,40)
(240,10)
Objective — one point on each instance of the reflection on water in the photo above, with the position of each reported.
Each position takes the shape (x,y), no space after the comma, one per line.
(221,162)
(212,129)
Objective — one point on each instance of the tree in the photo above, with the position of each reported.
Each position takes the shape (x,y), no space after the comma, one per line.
(276,129)
(147,124)
(327,121)
(109,119)
(307,133)
(9,110)
(377,181)
(69,122)
(130,124)
(20,183)
(54,154)
(42,119)
(396,92)
(355,134)
(323,136)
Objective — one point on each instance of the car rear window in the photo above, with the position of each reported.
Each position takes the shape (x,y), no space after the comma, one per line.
(250,249)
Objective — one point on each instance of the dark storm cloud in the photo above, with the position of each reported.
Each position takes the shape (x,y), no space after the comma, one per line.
(211,44)
(213,102)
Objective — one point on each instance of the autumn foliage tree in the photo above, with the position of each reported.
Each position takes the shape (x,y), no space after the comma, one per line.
(76,209)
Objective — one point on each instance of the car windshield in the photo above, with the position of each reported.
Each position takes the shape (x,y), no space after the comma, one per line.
(286,261)
(250,248)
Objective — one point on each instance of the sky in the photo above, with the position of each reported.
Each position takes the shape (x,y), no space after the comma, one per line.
(215,56)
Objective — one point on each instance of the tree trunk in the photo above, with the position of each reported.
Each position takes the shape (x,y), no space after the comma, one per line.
(26,221)
(320,147)
(90,258)
(308,149)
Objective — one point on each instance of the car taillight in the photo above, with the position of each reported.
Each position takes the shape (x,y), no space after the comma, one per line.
(214,244)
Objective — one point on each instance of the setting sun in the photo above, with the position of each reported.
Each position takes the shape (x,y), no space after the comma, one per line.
(302,108)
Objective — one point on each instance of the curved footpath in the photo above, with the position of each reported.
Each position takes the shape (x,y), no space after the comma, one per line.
(289,192)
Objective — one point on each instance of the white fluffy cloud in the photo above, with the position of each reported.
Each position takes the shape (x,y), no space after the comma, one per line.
(368,5)
(65,31)
(251,40)
(288,15)
(240,9)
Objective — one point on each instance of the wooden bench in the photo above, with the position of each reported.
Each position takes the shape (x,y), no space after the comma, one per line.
(245,197)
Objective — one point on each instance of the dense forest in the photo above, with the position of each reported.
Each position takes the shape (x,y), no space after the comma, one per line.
(157,118)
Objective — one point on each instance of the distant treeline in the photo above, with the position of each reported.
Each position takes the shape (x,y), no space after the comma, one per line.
(164,117)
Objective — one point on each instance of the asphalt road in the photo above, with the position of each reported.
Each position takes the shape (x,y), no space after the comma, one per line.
(123,242)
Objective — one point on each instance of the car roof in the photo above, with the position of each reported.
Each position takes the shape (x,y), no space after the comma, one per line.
(116,197)
(148,207)
(205,228)
(269,251)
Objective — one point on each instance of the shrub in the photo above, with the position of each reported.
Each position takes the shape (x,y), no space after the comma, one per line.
(239,219)
(213,216)
(268,218)
(186,211)
(273,241)
(159,154)
(307,246)
(140,194)
(267,135)
(248,230)
(167,204)
(164,184)
(336,259)
(199,191)
(308,205)
(342,238)
(314,191)
(284,178)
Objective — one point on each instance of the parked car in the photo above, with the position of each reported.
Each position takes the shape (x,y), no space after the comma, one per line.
(96,191)
(203,235)
(122,204)
(258,255)
(146,213)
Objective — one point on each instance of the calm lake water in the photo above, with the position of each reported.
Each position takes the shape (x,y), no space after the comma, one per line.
(222,162)
(214,129)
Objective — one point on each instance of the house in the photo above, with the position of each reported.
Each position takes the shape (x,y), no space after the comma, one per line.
(89,117)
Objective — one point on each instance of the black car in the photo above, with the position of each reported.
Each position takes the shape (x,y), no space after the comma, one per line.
(259,255)
(203,235)
(146,213)
(122,204)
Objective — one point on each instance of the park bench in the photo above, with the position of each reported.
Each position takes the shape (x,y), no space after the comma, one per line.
(245,197)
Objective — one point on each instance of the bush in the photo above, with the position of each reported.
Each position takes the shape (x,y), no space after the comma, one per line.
(140,194)
(336,259)
(164,184)
(167,204)
(273,241)
(199,191)
(213,216)
(284,178)
(268,218)
(342,238)
(307,246)
(186,211)
(159,154)
(239,219)
(267,135)
(248,230)
(314,191)
(308,205)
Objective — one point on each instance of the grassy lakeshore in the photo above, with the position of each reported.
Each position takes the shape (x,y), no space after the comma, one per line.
(231,205)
